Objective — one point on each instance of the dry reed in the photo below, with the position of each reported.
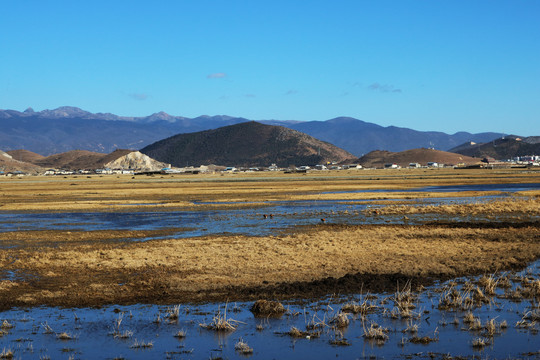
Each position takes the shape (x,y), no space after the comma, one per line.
(375,332)
(340,320)
(221,323)
(180,334)
(6,354)
(242,347)
(141,344)
(480,342)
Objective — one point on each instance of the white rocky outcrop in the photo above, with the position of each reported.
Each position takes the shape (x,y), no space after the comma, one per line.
(137,161)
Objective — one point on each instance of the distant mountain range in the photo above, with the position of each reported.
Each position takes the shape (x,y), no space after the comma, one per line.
(68,128)
(246,144)
(360,137)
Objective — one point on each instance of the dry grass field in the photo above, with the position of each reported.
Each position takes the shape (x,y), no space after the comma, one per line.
(86,268)
(167,192)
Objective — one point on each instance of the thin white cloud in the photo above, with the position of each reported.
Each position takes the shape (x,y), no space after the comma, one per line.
(216,76)
(138,96)
(385,88)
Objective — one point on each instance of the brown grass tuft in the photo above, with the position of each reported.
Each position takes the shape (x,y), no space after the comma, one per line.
(340,320)
(363,308)
(375,332)
(265,308)
(173,313)
(181,334)
(422,340)
(141,344)
(6,354)
(242,347)
(6,325)
(65,336)
(480,343)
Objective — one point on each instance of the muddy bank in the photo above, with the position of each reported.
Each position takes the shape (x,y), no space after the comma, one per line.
(319,260)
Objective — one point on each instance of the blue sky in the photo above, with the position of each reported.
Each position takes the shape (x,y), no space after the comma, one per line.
(468,65)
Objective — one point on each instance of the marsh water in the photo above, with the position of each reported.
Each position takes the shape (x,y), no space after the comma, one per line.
(274,217)
(148,331)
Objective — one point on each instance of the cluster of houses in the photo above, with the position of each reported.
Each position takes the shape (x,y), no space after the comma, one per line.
(413,165)
(12,173)
(533,160)
(105,171)
(293,168)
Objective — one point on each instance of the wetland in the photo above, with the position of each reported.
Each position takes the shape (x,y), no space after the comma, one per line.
(81,254)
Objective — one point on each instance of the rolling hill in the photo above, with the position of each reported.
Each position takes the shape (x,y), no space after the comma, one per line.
(25,155)
(82,159)
(9,164)
(503,148)
(378,158)
(246,144)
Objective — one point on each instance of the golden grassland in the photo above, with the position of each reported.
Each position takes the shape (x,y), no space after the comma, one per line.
(197,269)
(526,206)
(85,268)
(167,192)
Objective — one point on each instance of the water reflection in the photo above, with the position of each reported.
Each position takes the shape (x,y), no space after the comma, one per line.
(274,218)
(92,330)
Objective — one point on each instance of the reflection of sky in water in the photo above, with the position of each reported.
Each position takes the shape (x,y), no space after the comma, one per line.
(286,215)
(238,221)
(454,188)
(93,328)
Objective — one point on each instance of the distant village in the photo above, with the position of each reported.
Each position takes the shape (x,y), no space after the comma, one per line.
(523,161)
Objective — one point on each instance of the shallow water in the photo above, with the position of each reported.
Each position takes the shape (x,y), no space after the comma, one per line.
(280,216)
(93,330)
(456,188)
